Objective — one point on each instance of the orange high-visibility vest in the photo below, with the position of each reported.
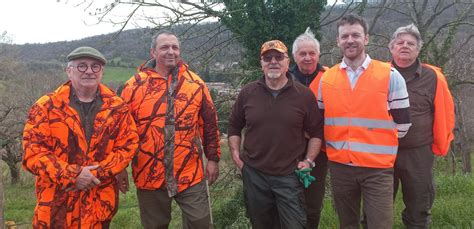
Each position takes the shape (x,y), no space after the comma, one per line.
(358,128)
(444,115)
(314,86)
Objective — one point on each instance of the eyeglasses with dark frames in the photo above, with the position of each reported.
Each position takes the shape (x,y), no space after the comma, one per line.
(278,57)
(82,67)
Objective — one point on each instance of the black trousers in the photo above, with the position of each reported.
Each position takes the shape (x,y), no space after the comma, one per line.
(314,194)
(273,201)
(414,170)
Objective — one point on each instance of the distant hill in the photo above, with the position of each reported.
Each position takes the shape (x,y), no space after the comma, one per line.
(208,48)
(197,41)
(130,43)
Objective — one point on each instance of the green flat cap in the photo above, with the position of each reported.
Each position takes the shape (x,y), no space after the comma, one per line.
(86,52)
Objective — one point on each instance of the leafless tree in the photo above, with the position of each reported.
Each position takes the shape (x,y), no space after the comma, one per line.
(22,84)
(2,193)
(446,27)
(460,69)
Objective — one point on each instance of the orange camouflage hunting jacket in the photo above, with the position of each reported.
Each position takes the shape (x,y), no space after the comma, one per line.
(56,149)
(196,129)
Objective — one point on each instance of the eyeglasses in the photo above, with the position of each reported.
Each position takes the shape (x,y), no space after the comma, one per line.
(268,58)
(84,67)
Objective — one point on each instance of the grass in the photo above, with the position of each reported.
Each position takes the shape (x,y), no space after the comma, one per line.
(19,199)
(453,207)
(118,74)
(454,202)
(20,202)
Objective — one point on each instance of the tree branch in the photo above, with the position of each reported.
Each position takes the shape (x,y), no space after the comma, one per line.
(346,10)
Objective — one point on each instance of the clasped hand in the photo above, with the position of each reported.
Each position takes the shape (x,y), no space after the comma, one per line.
(86,180)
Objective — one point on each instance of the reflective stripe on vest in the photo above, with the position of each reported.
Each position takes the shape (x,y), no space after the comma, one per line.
(362,147)
(362,122)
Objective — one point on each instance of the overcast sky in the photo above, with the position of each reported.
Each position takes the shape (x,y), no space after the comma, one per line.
(43,21)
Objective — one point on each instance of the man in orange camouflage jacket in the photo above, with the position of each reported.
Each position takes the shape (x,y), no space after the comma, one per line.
(177,123)
(76,139)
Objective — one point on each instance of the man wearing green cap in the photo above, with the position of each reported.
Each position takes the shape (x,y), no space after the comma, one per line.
(76,139)
(275,112)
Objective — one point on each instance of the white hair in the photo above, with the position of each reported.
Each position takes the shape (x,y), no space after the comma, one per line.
(308,35)
(409,29)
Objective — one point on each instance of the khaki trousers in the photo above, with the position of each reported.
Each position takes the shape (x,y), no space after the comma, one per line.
(155,207)
(373,186)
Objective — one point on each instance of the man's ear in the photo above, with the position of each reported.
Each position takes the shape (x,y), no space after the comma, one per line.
(152,53)
(68,71)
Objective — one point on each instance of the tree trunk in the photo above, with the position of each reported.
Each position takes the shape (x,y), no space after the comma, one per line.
(463,138)
(452,162)
(14,173)
(466,149)
(466,162)
(2,220)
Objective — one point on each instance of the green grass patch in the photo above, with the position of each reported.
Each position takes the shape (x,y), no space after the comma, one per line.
(128,213)
(453,207)
(20,202)
(328,215)
(121,61)
(117,74)
(454,201)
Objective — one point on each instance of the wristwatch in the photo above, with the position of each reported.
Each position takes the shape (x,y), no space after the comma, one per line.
(310,162)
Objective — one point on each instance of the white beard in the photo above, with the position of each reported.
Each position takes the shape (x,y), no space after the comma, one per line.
(274,75)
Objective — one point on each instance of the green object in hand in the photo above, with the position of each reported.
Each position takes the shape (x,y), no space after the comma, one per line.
(304,176)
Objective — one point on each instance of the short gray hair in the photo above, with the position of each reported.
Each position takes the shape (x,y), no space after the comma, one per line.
(410,29)
(308,35)
(167,32)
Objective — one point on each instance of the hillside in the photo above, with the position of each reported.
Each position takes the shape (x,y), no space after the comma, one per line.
(130,48)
